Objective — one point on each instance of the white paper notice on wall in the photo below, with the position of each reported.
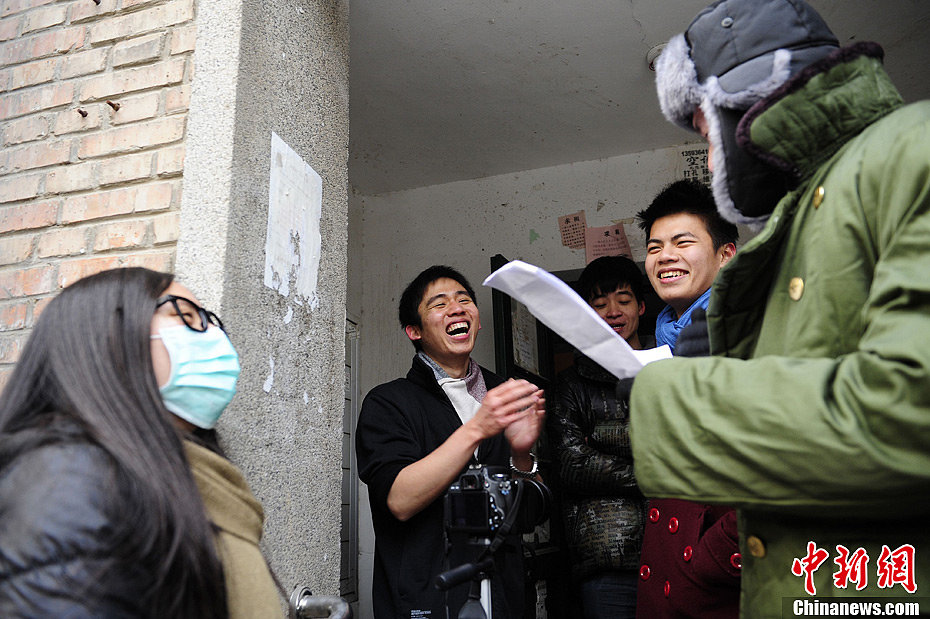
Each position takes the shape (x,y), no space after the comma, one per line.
(292,242)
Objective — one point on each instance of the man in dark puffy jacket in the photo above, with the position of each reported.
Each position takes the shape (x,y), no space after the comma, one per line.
(588,428)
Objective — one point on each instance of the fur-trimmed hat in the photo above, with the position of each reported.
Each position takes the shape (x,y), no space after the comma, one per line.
(733,54)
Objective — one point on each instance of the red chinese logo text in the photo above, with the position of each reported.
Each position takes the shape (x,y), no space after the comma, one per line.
(897,567)
(894,567)
(852,568)
(808,565)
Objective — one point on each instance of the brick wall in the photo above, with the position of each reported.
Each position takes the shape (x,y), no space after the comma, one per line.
(93,106)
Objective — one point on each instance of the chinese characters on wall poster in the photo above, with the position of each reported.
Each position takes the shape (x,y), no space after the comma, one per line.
(572,227)
(606,241)
(694,163)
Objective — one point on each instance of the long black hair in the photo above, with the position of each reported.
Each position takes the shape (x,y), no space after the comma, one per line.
(88,362)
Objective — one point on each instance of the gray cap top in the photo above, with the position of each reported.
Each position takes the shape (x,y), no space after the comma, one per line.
(736,39)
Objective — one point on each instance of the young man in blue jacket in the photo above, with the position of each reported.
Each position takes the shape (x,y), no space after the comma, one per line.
(690,562)
(687,242)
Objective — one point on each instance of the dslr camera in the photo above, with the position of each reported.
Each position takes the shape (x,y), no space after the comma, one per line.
(483,496)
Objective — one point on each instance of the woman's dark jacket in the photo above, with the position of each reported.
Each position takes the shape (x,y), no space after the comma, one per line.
(57,533)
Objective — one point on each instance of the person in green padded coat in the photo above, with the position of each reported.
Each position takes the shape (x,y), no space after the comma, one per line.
(812,417)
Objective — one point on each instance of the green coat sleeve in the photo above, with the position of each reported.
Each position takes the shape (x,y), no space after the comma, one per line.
(805,433)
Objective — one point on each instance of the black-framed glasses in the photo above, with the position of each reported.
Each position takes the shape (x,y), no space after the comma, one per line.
(192,315)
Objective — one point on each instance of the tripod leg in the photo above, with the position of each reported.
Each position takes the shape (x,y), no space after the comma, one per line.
(474,608)
(486,597)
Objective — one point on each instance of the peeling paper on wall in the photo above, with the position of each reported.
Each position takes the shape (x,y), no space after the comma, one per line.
(292,241)
(269,382)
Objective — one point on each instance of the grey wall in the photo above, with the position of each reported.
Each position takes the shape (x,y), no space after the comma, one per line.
(277,67)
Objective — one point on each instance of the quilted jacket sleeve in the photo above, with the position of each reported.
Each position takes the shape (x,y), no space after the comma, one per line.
(593,458)
(56,537)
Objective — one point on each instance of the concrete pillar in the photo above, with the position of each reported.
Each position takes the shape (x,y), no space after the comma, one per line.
(265,69)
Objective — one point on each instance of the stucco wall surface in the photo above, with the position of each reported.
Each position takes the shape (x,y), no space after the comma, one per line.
(275,67)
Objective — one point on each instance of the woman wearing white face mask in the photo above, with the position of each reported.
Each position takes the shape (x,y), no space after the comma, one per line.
(114,498)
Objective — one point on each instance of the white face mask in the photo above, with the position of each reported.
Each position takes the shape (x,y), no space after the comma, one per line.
(204,370)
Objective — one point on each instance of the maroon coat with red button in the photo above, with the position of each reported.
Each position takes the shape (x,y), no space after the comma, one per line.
(690,564)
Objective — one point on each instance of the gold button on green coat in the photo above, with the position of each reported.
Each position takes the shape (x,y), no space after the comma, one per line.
(818,196)
(755,546)
(795,288)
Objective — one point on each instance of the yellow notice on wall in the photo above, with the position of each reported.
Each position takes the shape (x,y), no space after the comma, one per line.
(572,228)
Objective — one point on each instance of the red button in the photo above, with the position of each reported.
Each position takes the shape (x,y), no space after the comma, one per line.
(653,515)
(673,525)
(688,552)
(736,560)
(644,572)
(668,588)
